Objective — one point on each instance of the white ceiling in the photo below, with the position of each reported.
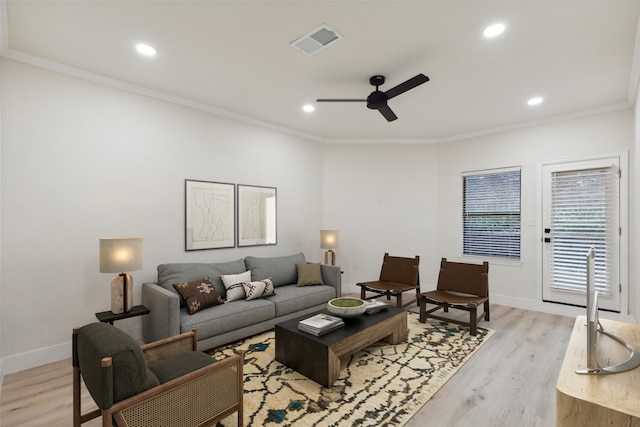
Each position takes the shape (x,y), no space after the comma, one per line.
(234,58)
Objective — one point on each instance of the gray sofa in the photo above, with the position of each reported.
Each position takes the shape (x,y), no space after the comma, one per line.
(225,323)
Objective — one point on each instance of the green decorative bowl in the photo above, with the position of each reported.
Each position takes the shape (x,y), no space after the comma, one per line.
(346,307)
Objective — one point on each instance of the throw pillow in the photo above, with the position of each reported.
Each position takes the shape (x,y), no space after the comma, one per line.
(262,288)
(198,294)
(309,274)
(233,284)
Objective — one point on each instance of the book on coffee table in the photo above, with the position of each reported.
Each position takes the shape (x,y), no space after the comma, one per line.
(320,324)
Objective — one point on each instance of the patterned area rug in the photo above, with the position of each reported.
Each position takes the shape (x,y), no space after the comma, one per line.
(382,385)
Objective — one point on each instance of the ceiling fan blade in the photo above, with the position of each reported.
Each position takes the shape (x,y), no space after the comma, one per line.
(408,85)
(387,113)
(341,100)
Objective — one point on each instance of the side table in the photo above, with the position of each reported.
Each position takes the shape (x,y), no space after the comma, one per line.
(109,317)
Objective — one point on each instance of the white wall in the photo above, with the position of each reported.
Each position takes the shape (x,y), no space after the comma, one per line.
(520,285)
(382,198)
(407,199)
(634,241)
(82,161)
(1,134)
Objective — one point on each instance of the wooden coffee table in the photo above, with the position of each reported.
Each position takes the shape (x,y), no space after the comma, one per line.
(318,358)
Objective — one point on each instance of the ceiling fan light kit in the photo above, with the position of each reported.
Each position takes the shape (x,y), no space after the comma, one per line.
(377,100)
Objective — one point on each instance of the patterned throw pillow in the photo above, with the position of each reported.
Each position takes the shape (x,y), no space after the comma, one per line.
(233,284)
(260,289)
(309,274)
(198,294)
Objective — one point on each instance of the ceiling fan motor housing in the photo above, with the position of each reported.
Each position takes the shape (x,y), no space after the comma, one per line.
(377,100)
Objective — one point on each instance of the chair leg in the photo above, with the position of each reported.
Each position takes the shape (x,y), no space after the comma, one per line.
(422,302)
(363,293)
(486,311)
(473,321)
(399,300)
(76,397)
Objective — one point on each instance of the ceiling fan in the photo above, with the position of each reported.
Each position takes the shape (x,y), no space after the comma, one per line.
(377,100)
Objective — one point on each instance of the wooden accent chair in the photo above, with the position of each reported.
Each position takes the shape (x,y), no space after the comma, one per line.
(397,275)
(165,383)
(462,286)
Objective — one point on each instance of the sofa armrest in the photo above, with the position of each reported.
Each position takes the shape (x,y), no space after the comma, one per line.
(332,276)
(164,319)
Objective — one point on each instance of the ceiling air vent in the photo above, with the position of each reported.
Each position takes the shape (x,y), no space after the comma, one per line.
(316,40)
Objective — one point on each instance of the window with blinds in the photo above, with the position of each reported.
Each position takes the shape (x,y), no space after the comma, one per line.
(584,212)
(491,214)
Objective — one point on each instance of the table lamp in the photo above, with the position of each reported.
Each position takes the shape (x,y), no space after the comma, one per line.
(329,239)
(117,255)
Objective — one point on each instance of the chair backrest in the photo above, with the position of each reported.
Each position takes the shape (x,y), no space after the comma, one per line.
(129,374)
(400,270)
(463,277)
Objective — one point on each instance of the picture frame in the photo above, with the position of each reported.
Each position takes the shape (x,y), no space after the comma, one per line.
(257,215)
(209,215)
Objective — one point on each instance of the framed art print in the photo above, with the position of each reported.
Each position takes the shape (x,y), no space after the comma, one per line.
(209,215)
(256,215)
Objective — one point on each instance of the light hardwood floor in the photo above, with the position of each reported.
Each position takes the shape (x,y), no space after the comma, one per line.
(510,381)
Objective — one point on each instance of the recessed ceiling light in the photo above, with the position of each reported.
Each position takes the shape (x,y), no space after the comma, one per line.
(536,100)
(145,49)
(308,108)
(494,30)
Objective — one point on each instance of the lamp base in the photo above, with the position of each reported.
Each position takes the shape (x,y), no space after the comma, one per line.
(121,294)
(330,257)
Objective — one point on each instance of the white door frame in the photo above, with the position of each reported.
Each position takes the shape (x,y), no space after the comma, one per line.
(624,223)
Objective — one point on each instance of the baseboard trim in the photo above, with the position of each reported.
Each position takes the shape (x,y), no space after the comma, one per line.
(551,308)
(42,356)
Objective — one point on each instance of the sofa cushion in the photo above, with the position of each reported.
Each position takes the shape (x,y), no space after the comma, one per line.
(309,274)
(282,270)
(130,374)
(233,285)
(198,294)
(181,364)
(292,298)
(259,289)
(227,317)
(168,274)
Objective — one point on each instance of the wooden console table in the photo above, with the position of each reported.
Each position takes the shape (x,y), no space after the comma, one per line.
(598,400)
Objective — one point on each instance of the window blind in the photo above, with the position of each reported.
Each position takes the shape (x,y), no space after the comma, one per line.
(584,212)
(491,214)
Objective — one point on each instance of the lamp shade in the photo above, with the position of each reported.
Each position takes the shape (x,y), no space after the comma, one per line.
(121,254)
(329,239)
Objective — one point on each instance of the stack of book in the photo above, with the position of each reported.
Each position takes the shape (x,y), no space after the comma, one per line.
(320,324)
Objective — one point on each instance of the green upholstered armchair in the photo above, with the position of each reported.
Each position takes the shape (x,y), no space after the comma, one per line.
(165,383)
